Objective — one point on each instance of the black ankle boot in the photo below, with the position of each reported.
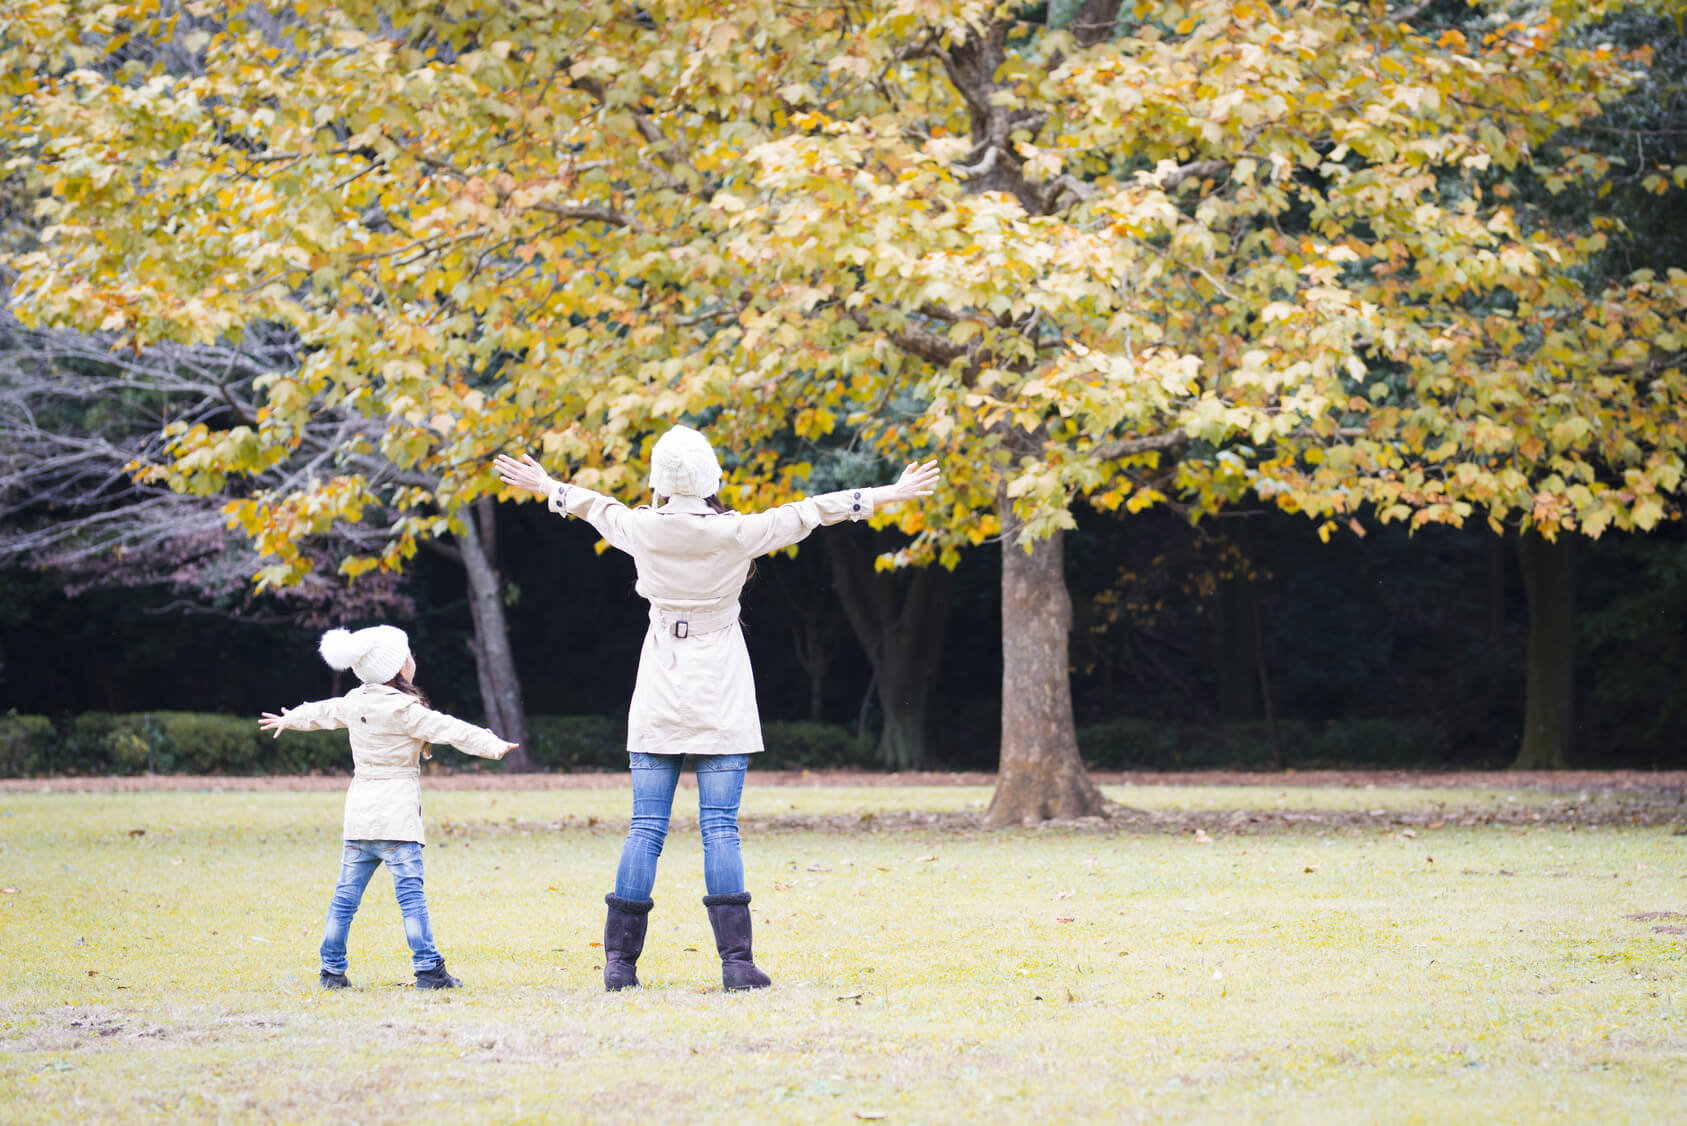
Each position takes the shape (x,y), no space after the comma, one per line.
(436,978)
(623,940)
(333,981)
(729,915)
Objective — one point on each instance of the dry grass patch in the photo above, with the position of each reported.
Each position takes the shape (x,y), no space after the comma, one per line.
(1414,956)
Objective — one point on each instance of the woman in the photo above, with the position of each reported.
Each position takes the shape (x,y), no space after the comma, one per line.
(695,693)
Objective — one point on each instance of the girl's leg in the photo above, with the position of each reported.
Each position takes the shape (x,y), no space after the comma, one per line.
(720,787)
(357,863)
(654,780)
(404,861)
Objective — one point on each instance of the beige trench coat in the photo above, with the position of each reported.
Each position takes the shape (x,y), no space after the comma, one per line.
(695,693)
(389,731)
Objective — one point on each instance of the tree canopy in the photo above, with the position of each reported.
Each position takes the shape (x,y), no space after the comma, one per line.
(1135,253)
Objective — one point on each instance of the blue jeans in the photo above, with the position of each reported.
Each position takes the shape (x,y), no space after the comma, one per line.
(720,786)
(359,861)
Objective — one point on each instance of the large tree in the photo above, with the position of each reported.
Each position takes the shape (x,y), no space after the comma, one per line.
(1154,252)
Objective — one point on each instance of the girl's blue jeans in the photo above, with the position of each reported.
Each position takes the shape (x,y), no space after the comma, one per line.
(720,786)
(357,863)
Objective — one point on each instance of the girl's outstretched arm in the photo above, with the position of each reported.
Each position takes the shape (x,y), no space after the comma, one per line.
(317,715)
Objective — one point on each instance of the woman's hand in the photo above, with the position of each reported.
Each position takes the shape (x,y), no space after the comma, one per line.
(524,474)
(272,722)
(916,481)
(508,747)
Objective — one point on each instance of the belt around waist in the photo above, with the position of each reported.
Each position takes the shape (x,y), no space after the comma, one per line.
(685,623)
(385,773)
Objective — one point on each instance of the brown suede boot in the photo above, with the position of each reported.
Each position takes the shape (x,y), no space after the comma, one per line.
(623,940)
(729,915)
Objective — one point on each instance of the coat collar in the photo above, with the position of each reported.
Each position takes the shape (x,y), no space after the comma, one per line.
(691,506)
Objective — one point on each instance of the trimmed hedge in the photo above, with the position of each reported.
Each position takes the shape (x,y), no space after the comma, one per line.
(200,743)
(1139,744)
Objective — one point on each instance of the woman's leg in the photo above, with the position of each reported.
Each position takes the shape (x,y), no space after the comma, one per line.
(404,861)
(357,864)
(720,788)
(654,780)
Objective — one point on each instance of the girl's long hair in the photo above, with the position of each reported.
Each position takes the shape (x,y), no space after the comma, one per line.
(402,683)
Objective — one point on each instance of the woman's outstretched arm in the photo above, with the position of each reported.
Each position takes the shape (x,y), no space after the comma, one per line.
(790,523)
(605,514)
(525,474)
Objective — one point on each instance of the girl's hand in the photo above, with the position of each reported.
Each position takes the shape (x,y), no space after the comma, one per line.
(525,474)
(273,722)
(916,481)
(508,747)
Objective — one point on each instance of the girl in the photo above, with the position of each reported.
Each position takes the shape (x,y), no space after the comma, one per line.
(391,726)
(695,692)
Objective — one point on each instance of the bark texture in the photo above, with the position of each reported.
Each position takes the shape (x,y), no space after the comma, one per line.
(500,688)
(899,620)
(1549,582)
(1041,775)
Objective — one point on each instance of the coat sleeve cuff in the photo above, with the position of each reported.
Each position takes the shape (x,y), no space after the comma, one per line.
(846,504)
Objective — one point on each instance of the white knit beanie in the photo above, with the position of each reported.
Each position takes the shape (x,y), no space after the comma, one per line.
(375,654)
(683,465)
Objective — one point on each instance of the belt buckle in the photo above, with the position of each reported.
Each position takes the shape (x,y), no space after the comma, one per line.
(682,629)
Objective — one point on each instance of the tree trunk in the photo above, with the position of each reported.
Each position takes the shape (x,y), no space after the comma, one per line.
(1235,656)
(809,619)
(1041,775)
(1549,582)
(500,688)
(899,619)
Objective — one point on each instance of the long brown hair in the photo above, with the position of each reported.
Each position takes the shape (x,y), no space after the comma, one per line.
(402,683)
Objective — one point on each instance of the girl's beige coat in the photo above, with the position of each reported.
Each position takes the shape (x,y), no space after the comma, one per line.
(695,692)
(389,731)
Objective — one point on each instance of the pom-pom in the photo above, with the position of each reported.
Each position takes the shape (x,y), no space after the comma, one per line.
(340,649)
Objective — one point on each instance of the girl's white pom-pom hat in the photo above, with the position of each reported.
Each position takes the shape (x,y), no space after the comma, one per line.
(376,654)
(682,464)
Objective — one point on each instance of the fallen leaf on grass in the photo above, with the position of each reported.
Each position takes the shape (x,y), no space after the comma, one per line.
(134,833)
(856,997)
(9,891)
(1063,918)
(870,1115)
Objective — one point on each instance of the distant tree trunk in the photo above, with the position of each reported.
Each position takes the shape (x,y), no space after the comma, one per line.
(500,688)
(900,620)
(811,622)
(1095,21)
(1041,775)
(1495,563)
(1549,582)
(1235,656)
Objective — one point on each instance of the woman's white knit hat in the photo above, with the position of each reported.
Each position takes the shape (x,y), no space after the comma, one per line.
(375,654)
(682,464)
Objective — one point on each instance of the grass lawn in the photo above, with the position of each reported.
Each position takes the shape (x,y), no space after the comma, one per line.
(1324,955)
